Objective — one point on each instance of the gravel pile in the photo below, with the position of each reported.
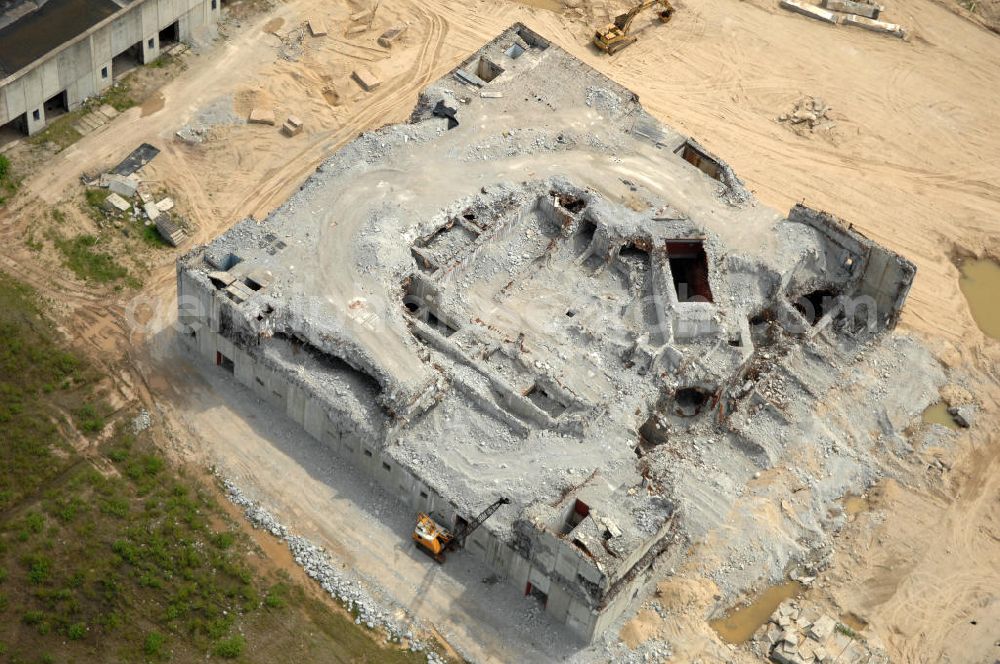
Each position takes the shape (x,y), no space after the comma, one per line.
(317,564)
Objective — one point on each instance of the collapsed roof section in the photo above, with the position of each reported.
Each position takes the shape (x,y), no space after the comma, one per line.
(548,300)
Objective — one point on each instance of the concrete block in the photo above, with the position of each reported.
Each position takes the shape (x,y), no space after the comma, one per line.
(166,204)
(812,11)
(822,628)
(262,116)
(361,15)
(386,39)
(875,26)
(366,78)
(294,121)
(116,202)
(123,186)
(357,29)
(852,7)
(152,212)
(316,27)
(491,94)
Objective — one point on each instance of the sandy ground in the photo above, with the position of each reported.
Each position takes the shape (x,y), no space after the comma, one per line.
(913,162)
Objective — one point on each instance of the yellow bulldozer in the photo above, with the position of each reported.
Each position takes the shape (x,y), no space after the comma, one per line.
(616,36)
(435,540)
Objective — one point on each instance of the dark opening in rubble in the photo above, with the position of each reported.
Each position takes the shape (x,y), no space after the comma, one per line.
(532,591)
(571,203)
(551,405)
(579,512)
(584,236)
(700,160)
(532,39)
(813,305)
(252,285)
(226,363)
(488,70)
(439,325)
(689,267)
(689,401)
(653,431)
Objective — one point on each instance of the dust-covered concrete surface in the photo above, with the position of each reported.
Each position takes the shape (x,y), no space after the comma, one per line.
(542,293)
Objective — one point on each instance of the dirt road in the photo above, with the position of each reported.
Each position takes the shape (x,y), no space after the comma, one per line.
(913,162)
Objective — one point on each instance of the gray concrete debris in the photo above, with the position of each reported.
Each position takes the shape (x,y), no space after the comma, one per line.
(141,422)
(809,636)
(812,11)
(124,186)
(116,202)
(617,345)
(868,10)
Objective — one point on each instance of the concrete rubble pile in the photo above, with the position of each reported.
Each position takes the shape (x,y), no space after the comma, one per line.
(130,196)
(550,296)
(316,563)
(800,633)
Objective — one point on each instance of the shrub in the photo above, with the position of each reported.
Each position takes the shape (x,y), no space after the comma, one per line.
(76,631)
(230,648)
(154,644)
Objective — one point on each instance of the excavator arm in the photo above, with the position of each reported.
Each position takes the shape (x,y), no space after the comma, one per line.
(472,526)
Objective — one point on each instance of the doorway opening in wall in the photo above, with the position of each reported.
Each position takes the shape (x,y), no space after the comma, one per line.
(689,267)
(535,593)
(224,362)
(13,130)
(56,105)
(126,61)
(170,36)
(700,160)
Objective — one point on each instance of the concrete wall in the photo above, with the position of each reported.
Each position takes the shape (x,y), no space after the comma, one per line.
(553,562)
(83,67)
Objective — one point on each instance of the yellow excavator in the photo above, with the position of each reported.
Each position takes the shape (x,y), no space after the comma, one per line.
(435,540)
(616,36)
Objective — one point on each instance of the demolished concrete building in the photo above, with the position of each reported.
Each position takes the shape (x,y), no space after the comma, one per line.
(539,292)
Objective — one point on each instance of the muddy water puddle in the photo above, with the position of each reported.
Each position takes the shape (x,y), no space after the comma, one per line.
(740,623)
(980,283)
(855,505)
(938,414)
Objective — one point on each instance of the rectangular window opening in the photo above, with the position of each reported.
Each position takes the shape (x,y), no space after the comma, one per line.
(689,267)
(700,160)
(423,494)
(104,72)
(151,42)
(224,362)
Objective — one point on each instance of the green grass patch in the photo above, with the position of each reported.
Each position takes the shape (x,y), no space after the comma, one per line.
(122,563)
(8,183)
(83,256)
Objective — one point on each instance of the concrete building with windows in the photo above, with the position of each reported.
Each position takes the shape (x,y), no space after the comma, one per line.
(54,54)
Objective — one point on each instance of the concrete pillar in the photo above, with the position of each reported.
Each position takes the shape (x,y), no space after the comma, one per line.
(150,48)
(36,119)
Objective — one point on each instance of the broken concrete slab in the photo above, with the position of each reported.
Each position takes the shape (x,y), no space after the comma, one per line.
(491,94)
(852,7)
(822,628)
(362,15)
(883,27)
(152,212)
(123,185)
(116,202)
(366,78)
(812,11)
(165,205)
(387,38)
(262,116)
(357,29)
(108,111)
(316,27)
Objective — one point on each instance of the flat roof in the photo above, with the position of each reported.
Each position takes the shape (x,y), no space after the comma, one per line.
(46,28)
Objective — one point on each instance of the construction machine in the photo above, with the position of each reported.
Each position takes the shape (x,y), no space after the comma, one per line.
(616,36)
(435,540)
